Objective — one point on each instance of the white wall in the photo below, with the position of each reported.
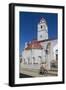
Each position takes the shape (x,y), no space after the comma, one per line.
(44,35)
(54,51)
(4,44)
(32,53)
(39,52)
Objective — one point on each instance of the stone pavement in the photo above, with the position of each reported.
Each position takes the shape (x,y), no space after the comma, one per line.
(34,71)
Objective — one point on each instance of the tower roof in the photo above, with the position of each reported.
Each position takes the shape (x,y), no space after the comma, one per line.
(42,20)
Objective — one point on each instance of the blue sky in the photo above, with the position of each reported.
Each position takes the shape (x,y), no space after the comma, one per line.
(28,26)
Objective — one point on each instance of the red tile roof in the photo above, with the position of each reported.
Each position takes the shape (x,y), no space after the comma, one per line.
(34,45)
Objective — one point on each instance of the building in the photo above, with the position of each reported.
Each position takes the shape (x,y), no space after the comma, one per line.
(41,50)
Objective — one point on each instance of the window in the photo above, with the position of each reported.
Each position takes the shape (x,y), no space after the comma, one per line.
(56,51)
(39,57)
(56,57)
(41,26)
(40,36)
(46,51)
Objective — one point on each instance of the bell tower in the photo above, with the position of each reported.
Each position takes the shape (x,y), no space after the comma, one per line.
(42,32)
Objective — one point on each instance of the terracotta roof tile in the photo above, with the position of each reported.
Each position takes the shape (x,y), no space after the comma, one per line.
(34,45)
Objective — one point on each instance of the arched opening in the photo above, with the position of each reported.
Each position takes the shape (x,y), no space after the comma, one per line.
(24,61)
(29,61)
(33,60)
(56,53)
(39,59)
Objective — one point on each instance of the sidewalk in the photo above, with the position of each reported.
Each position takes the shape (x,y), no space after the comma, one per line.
(35,72)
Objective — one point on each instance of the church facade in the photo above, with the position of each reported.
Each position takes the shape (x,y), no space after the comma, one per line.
(41,50)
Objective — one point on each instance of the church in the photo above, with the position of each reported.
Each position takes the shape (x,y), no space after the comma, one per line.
(41,50)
